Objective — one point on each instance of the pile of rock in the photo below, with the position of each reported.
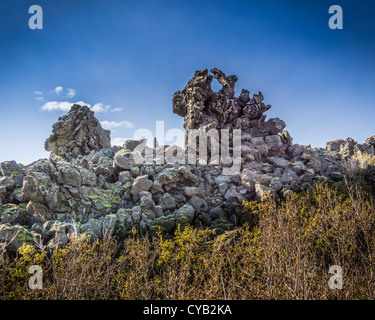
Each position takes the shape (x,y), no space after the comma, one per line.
(88,187)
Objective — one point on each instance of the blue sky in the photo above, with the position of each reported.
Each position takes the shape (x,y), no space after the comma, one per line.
(127,58)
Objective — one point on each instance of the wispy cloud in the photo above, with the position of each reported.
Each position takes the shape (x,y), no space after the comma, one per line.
(117,124)
(40,98)
(52,103)
(97,108)
(116,110)
(71,93)
(58,90)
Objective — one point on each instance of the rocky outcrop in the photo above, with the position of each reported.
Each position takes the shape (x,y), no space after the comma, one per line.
(204,109)
(349,148)
(77,133)
(88,187)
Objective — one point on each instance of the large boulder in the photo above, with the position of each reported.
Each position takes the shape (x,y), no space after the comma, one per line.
(141,183)
(15,236)
(77,133)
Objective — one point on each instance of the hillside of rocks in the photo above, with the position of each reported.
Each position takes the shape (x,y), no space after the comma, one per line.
(87,186)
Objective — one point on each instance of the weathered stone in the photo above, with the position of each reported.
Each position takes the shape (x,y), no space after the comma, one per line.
(216,213)
(278,162)
(93,227)
(168,176)
(336,176)
(167,201)
(109,224)
(334,146)
(186,211)
(125,160)
(193,191)
(196,202)
(146,201)
(141,183)
(136,213)
(6,187)
(40,212)
(166,223)
(130,145)
(233,195)
(15,237)
(77,133)
(125,177)
(13,214)
(203,108)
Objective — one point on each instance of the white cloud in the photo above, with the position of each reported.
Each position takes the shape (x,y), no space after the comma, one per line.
(116,109)
(65,105)
(58,90)
(55,105)
(71,93)
(62,105)
(100,107)
(117,124)
(118,141)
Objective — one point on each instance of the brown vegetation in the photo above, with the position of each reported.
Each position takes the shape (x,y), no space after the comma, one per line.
(285,254)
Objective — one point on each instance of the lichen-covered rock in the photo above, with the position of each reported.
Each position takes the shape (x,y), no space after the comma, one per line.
(100,162)
(13,214)
(186,211)
(94,227)
(15,236)
(6,187)
(125,159)
(39,212)
(13,170)
(278,162)
(164,223)
(146,201)
(141,183)
(9,168)
(167,201)
(168,176)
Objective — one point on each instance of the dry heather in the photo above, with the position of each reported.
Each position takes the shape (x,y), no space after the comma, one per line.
(284,254)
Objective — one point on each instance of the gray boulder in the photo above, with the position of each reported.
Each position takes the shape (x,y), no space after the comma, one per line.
(77,133)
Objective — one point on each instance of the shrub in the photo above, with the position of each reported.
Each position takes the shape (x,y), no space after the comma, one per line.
(285,253)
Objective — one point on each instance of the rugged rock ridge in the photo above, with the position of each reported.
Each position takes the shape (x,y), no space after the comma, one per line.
(88,187)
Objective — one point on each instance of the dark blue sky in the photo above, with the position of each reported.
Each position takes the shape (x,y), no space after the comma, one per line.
(133,55)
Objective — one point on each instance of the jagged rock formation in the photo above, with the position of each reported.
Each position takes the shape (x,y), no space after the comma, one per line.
(201,107)
(349,148)
(88,187)
(77,133)
(204,109)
